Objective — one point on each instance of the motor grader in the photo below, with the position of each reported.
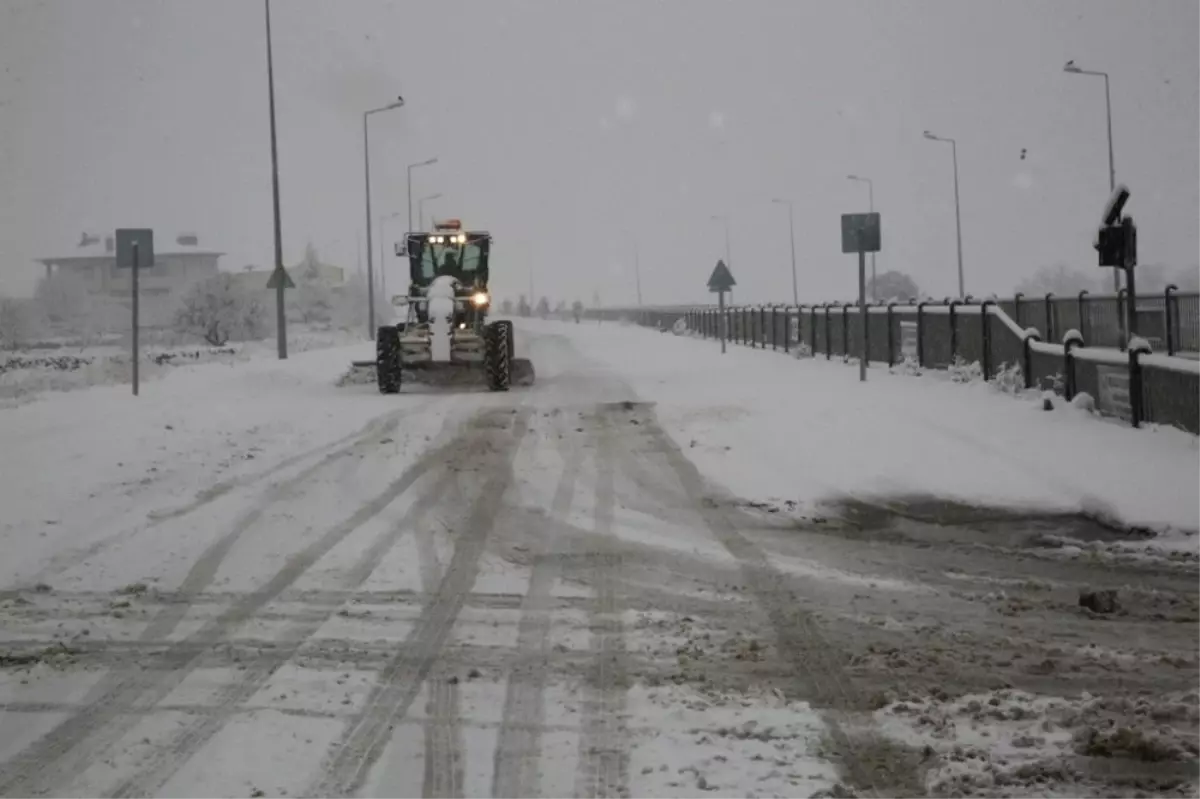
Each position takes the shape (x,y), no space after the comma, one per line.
(446,309)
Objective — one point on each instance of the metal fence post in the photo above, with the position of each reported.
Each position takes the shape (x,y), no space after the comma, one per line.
(1070,342)
(891,335)
(921,333)
(1027,355)
(846,333)
(828,338)
(1017,306)
(812,331)
(1122,293)
(1136,397)
(1170,317)
(985,321)
(1049,315)
(787,327)
(954,329)
(1083,315)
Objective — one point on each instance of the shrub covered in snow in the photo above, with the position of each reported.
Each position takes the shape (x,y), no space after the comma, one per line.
(24,376)
(18,323)
(802,350)
(1084,401)
(218,311)
(908,366)
(1010,378)
(963,372)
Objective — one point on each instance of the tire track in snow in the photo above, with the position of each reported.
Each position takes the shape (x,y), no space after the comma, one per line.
(443,774)
(71,745)
(603,754)
(183,744)
(68,559)
(518,744)
(443,740)
(816,673)
(365,738)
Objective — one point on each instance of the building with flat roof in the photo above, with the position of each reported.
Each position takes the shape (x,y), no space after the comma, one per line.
(94,264)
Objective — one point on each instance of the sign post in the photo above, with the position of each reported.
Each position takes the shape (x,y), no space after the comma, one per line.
(135,248)
(721,280)
(861,234)
(280,280)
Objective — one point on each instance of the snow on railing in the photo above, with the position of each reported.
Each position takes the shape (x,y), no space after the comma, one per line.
(824,328)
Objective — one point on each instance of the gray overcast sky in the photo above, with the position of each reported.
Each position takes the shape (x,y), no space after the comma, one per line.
(567,127)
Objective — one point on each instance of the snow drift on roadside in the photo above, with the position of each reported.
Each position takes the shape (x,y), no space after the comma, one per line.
(766,426)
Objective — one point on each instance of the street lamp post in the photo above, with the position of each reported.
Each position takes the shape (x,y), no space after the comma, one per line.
(421,208)
(870,207)
(367,172)
(1112,169)
(411,167)
(280,314)
(792,235)
(962,291)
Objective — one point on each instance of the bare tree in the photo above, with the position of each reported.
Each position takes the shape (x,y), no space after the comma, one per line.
(18,323)
(895,286)
(313,296)
(63,300)
(1062,280)
(217,311)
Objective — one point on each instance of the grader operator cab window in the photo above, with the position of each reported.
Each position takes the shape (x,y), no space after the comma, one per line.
(437,259)
(448,251)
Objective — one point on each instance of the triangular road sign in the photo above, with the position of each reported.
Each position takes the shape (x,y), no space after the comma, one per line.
(278,277)
(721,279)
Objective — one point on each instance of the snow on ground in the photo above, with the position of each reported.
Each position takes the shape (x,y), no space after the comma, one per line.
(766,426)
(123,462)
(1011,743)
(27,374)
(692,743)
(576,613)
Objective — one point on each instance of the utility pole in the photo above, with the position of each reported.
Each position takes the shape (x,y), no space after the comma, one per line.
(367,173)
(280,313)
(792,238)
(1112,169)
(962,291)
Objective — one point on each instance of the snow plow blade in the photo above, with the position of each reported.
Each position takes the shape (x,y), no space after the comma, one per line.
(522,372)
(438,375)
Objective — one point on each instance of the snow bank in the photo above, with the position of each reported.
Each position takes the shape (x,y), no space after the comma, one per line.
(83,464)
(769,427)
(27,374)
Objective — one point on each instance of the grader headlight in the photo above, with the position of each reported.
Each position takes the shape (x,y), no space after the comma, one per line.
(480,299)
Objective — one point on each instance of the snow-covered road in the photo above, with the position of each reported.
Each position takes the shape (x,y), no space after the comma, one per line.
(657,572)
